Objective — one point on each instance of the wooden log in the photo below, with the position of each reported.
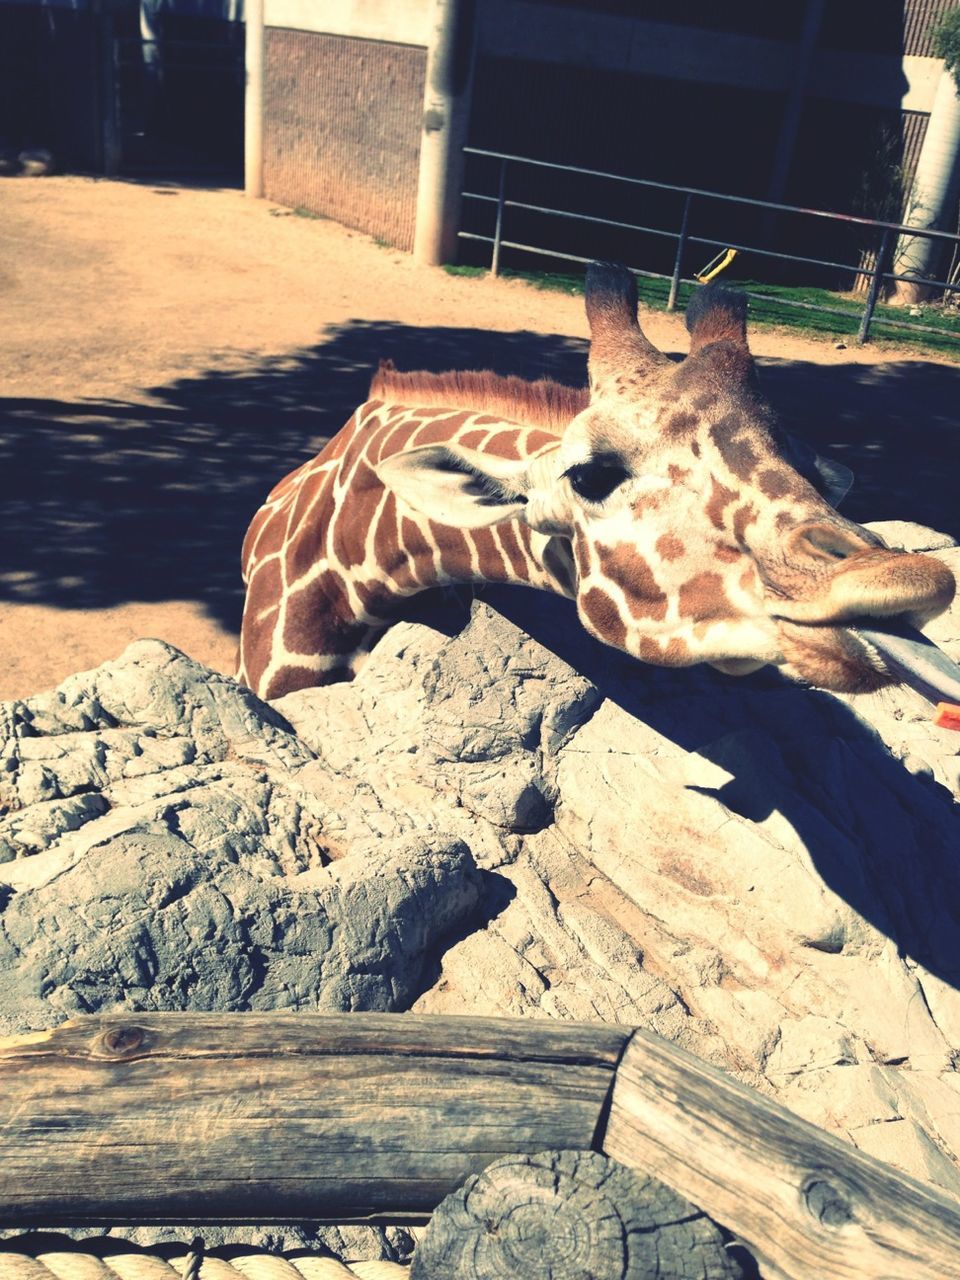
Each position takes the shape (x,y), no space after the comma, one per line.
(259,1117)
(564,1215)
(808,1204)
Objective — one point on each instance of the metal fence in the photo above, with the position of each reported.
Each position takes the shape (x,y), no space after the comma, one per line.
(872,268)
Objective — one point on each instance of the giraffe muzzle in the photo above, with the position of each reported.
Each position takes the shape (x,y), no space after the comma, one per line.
(870,584)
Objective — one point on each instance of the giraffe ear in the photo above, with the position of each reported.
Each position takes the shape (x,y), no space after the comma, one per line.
(455,486)
(828,477)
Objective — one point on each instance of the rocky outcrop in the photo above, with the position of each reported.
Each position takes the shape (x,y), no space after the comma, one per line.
(499,816)
(165,855)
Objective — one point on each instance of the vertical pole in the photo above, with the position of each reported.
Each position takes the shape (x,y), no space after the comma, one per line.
(446,118)
(107,96)
(253,100)
(681,246)
(793,107)
(878,269)
(498,229)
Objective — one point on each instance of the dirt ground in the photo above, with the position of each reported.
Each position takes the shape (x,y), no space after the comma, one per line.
(168,353)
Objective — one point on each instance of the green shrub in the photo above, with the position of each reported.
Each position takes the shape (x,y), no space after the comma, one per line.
(946,42)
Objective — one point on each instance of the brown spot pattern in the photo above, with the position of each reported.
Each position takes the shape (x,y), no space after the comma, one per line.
(703,597)
(720,498)
(670,547)
(454,551)
(625,567)
(680,422)
(780,482)
(734,447)
(489,556)
(321,610)
(603,617)
(510,541)
(675,653)
(352,522)
(743,516)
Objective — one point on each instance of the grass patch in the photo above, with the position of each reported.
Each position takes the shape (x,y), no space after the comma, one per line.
(787,307)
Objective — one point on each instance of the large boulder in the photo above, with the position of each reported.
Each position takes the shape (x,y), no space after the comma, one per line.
(161,853)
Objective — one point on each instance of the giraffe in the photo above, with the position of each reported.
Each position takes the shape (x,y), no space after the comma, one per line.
(664,500)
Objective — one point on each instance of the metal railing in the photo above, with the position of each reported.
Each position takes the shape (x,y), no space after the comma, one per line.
(885,236)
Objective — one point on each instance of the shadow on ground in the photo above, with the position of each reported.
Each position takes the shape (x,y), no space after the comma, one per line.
(148,500)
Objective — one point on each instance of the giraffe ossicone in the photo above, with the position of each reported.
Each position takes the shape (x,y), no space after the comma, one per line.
(664,500)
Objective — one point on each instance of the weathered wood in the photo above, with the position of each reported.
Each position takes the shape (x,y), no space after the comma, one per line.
(564,1215)
(808,1204)
(258,1117)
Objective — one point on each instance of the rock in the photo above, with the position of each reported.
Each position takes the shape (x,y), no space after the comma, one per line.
(163,854)
(36,162)
(909,536)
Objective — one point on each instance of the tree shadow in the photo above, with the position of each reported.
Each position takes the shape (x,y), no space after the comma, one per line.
(109,502)
(895,425)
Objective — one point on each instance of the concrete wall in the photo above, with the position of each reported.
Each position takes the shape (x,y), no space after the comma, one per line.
(341,133)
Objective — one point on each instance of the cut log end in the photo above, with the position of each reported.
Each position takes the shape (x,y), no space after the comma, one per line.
(569,1215)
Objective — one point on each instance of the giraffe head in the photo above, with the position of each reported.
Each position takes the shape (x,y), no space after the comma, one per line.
(698,532)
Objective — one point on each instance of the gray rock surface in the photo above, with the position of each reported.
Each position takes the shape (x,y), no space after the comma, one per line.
(162,853)
(499,816)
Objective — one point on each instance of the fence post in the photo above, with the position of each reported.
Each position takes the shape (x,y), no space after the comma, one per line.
(874,289)
(108,148)
(498,229)
(681,246)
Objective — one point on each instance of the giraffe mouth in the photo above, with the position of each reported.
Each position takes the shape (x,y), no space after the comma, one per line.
(865,654)
(910,658)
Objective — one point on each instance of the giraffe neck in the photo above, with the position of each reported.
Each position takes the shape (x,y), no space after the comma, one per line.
(333,554)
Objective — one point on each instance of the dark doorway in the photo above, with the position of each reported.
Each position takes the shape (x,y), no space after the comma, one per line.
(179,89)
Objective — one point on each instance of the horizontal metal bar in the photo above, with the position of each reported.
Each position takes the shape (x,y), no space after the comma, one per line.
(673,235)
(786,257)
(919,328)
(550,253)
(759,297)
(717,195)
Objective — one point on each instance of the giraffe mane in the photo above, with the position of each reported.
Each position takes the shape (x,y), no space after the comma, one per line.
(543,403)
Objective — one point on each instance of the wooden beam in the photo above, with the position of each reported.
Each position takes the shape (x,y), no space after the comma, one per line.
(806,1203)
(198,1118)
(261,1117)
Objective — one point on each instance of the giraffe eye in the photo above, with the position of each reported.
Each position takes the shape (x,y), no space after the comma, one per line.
(595,480)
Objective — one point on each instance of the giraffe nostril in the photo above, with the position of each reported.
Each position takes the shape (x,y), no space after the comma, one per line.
(827,543)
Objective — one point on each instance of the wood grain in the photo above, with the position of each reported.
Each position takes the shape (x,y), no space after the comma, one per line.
(261,1117)
(808,1205)
(564,1215)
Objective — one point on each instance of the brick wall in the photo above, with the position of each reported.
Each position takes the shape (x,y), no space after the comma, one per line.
(342,120)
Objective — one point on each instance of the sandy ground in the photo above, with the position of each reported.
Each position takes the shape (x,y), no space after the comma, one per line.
(168,353)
